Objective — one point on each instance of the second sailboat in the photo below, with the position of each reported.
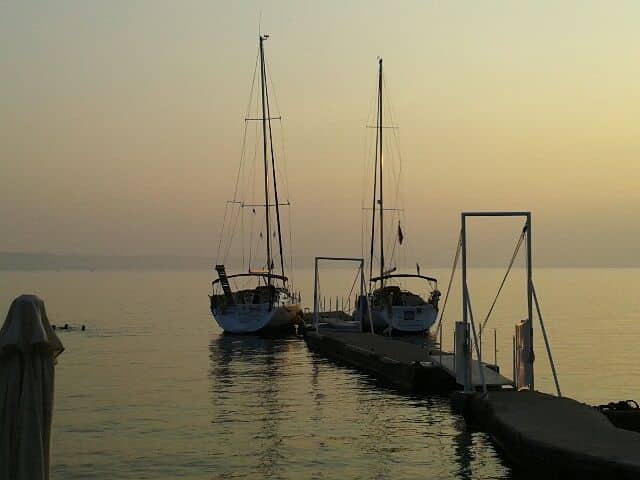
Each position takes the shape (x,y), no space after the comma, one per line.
(394,309)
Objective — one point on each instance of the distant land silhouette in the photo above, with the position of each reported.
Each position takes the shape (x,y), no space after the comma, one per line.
(50,261)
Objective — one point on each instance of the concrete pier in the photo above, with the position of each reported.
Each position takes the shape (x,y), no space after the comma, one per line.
(558,436)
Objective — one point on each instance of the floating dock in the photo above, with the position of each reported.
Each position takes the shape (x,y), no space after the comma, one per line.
(535,431)
(398,361)
(561,436)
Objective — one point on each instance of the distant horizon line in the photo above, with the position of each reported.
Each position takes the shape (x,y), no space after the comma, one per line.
(46,261)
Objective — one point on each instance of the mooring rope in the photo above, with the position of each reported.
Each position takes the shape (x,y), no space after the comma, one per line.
(353,285)
(453,271)
(513,258)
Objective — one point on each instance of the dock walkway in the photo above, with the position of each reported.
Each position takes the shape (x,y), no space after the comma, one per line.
(491,376)
(409,365)
(558,435)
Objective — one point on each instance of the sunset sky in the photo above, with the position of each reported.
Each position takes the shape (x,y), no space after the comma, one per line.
(121,122)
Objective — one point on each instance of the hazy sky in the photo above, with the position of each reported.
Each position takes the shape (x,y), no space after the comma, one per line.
(121,122)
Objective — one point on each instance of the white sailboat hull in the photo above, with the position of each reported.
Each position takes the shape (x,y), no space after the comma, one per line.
(410,319)
(255,318)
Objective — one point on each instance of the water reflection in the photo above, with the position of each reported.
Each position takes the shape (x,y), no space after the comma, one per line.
(281,412)
(249,366)
(462,442)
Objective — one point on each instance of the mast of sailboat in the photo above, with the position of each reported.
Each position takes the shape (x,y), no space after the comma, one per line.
(275,183)
(266,127)
(264,154)
(380,163)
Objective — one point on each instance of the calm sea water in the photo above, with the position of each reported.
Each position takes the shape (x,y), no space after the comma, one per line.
(153,390)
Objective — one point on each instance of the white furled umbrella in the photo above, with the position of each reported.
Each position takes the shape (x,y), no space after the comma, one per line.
(28,351)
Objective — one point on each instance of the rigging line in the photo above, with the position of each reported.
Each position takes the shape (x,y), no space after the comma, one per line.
(275,184)
(259,237)
(504,279)
(409,250)
(390,238)
(393,249)
(283,167)
(282,174)
(367,148)
(292,278)
(244,139)
(240,167)
(229,227)
(224,220)
(252,178)
(290,228)
(256,242)
(233,231)
(253,84)
(446,297)
(242,157)
(367,151)
(396,137)
(367,155)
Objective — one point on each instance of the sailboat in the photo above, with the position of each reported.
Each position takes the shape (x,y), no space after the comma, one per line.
(264,302)
(394,310)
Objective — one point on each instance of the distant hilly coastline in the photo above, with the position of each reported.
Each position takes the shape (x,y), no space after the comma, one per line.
(51,261)
(28,261)
(33,261)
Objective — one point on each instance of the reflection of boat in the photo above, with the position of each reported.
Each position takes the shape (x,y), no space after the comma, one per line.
(246,375)
(393,308)
(249,350)
(264,301)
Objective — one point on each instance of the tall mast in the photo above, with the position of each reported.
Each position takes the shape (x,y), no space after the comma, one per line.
(373,205)
(264,154)
(275,184)
(381,228)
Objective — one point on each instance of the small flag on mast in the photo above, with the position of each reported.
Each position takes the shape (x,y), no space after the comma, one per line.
(400,234)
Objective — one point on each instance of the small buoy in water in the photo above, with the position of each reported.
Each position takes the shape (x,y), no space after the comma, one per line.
(82,328)
(66,326)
